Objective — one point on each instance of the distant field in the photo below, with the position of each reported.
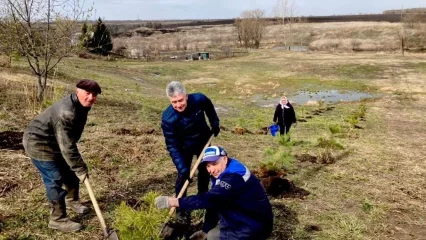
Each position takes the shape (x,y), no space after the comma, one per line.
(309,19)
(327,36)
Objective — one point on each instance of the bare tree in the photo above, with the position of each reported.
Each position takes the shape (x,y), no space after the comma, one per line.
(184,43)
(177,42)
(250,28)
(44,33)
(286,10)
(302,32)
(413,30)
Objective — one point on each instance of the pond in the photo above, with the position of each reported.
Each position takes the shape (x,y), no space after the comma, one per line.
(302,97)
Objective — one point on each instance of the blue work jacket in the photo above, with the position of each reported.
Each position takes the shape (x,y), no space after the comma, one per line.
(188,129)
(238,201)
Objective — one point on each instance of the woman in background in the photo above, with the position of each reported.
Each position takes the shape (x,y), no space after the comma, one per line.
(284,115)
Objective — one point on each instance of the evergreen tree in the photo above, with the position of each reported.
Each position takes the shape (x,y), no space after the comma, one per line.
(97,39)
(84,37)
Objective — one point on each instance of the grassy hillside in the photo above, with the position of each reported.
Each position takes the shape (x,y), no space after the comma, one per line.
(372,188)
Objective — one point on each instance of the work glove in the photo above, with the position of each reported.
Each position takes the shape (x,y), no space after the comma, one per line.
(198,235)
(82,176)
(162,202)
(215,131)
(295,124)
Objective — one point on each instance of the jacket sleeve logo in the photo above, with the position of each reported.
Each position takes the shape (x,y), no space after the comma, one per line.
(225,185)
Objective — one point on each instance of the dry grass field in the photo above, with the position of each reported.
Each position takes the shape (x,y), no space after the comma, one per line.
(331,36)
(371,188)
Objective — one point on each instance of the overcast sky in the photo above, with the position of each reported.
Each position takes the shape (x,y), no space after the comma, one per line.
(216,9)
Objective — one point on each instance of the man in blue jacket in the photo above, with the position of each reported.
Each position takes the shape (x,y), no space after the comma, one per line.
(186,133)
(237,200)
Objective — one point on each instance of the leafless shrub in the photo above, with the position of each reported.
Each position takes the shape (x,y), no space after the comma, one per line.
(216,40)
(413,32)
(121,50)
(147,53)
(154,25)
(355,43)
(184,43)
(177,42)
(413,20)
(251,28)
(285,10)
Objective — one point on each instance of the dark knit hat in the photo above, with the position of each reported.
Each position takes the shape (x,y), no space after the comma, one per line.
(89,85)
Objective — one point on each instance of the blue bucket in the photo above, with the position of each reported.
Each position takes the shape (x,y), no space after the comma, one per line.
(274,129)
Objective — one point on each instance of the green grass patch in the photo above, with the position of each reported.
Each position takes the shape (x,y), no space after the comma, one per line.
(359,71)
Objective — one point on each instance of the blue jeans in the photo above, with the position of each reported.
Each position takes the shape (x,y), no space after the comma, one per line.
(55,174)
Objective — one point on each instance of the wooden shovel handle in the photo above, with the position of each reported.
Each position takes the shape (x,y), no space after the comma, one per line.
(191,174)
(96,206)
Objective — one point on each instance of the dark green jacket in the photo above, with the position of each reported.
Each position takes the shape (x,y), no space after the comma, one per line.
(53,135)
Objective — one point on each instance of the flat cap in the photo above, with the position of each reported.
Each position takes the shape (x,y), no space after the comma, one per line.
(89,85)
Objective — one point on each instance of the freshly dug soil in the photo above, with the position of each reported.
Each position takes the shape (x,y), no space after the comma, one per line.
(11,140)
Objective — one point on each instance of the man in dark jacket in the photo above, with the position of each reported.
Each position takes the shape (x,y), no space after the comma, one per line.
(50,140)
(186,133)
(284,115)
(237,200)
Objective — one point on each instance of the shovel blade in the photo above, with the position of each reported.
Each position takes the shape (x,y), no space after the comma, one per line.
(112,235)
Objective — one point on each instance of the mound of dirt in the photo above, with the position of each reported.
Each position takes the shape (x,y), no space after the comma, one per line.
(263,131)
(312,228)
(283,188)
(135,132)
(241,131)
(11,140)
(277,186)
(174,230)
(263,172)
(307,158)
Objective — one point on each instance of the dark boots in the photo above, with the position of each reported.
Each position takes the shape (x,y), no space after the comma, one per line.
(73,203)
(184,219)
(59,219)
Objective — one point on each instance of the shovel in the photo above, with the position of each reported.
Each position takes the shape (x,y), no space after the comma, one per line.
(110,235)
(166,231)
